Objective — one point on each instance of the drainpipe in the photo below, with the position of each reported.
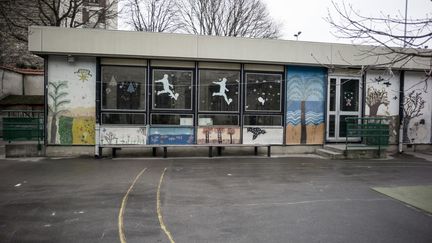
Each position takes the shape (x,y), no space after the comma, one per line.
(401,109)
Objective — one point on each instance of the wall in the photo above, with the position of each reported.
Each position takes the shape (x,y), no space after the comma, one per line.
(11,83)
(33,85)
(71,100)
(417,108)
(122,135)
(305,104)
(382,99)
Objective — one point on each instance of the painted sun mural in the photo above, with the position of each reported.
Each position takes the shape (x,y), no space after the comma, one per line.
(71,101)
(305,105)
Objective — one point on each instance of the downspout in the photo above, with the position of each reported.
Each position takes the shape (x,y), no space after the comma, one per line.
(98,150)
(401,109)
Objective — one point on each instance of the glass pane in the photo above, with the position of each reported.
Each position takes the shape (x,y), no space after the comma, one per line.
(172,89)
(263,92)
(123,118)
(332,126)
(332,94)
(263,121)
(349,94)
(210,120)
(123,88)
(219,90)
(343,125)
(166,119)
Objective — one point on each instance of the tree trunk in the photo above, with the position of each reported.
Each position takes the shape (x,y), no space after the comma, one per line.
(53,129)
(303,137)
(373,109)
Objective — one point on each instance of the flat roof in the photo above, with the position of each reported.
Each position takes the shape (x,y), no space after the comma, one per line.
(132,44)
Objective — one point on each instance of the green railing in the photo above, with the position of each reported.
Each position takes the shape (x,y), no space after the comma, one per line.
(22,125)
(373,131)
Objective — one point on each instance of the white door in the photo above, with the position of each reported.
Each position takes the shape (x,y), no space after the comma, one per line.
(343,100)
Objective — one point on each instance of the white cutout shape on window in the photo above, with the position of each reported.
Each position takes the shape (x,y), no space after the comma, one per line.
(166,87)
(261,100)
(222,90)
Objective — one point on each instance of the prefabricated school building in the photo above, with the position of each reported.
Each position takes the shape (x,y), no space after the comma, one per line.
(119,87)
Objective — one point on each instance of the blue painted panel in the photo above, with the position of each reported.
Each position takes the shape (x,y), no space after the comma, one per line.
(305,84)
(171,135)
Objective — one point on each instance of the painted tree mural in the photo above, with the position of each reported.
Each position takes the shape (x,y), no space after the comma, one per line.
(57,94)
(231,132)
(375,98)
(413,105)
(304,89)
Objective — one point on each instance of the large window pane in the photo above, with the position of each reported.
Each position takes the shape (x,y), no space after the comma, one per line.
(349,95)
(172,89)
(262,120)
(263,92)
(219,90)
(168,119)
(217,120)
(123,88)
(123,118)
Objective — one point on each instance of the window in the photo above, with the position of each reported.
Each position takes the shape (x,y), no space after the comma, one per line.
(219,90)
(172,89)
(262,120)
(123,118)
(123,88)
(217,120)
(263,92)
(168,119)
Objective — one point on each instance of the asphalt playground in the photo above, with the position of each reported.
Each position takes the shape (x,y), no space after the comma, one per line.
(225,199)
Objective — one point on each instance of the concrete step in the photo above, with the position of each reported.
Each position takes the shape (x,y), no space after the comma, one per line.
(330,153)
(340,148)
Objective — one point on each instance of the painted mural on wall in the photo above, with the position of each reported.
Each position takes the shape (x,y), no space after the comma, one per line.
(382,99)
(305,105)
(171,135)
(262,135)
(71,101)
(218,135)
(123,135)
(417,108)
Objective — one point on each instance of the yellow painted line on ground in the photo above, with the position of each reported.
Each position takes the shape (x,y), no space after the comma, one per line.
(159,210)
(123,206)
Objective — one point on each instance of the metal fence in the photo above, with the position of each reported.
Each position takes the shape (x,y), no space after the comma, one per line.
(373,131)
(22,125)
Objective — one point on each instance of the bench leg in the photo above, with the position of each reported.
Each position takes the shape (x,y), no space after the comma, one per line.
(268,151)
(256,150)
(210,151)
(219,151)
(100,153)
(165,152)
(154,151)
(114,152)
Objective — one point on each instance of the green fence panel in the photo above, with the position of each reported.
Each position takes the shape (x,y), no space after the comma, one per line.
(22,129)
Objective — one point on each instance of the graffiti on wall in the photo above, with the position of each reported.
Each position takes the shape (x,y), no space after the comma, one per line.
(262,135)
(123,135)
(71,101)
(171,135)
(305,105)
(382,99)
(218,135)
(417,108)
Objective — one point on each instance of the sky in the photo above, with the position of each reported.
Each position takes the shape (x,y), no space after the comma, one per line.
(308,16)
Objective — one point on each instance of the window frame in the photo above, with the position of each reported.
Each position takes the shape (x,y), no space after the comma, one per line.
(123,125)
(218,114)
(281,93)
(276,115)
(239,91)
(152,87)
(124,110)
(171,125)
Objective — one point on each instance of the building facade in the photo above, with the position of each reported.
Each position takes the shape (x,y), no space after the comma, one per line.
(118,87)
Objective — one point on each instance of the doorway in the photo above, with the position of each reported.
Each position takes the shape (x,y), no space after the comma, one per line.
(343,100)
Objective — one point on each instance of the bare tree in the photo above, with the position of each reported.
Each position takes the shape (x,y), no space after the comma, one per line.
(152,15)
(413,106)
(17,15)
(396,37)
(246,18)
(375,98)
